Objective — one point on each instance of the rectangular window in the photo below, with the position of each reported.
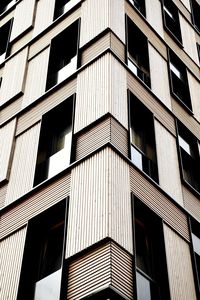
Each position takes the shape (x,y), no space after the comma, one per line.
(171,19)
(140,5)
(5,31)
(6,4)
(150,260)
(195,227)
(196,14)
(54,151)
(42,261)
(189,155)
(143,148)
(179,81)
(137,52)
(63,55)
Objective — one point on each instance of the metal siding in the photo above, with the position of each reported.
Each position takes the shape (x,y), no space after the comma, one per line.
(195,96)
(101,88)
(43,20)
(159,203)
(159,73)
(191,203)
(118,47)
(36,77)
(23,17)
(11,110)
(11,258)
(23,165)
(181,280)
(119,137)
(41,200)
(155,22)
(13,76)
(168,163)
(7,133)
(98,15)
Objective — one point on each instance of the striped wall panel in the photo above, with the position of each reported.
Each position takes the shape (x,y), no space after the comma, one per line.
(98,15)
(181,280)
(156,23)
(11,258)
(3,190)
(152,104)
(23,17)
(191,203)
(25,39)
(195,96)
(119,137)
(44,198)
(118,47)
(36,77)
(34,115)
(13,76)
(23,165)
(106,266)
(99,92)
(159,203)
(43,20)
(8,111)
(7,133)
(101,206)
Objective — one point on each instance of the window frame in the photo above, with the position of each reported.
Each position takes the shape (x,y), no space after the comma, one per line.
(7,51)
(141,11)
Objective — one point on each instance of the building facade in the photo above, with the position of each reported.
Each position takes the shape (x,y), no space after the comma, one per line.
(99,149)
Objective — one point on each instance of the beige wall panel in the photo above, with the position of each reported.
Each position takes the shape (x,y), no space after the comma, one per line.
(23,17)
(181,280)
(35,114)
(7,134)
(11,259)
(36,77)
(151,103)
(34,204)
(189,40)
(23,165)
(45,40)
(159,76)
(24,40)
(43,20)
(159,203)
(187,4)
(98,15)
(101,88)
(168,167)
(156,22)
(6,18)
(13,76)
(11,110)
(194,86)
(3,190)
(103,199)
(191,203)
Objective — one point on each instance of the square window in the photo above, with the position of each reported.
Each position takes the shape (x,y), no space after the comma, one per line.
(140,5)
(4,36)
(196,14)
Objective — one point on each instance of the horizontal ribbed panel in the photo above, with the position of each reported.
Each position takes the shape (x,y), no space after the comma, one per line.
(3,190)
(10,110)
(108,265)
(100,206)
(117,47)
(35,114)
(23,165)
(119,137)
(11,259)
(159,203)
(181,280)
(43,20)
(158,110)
(191,203)
(99,92)
(7,133)
(35,204)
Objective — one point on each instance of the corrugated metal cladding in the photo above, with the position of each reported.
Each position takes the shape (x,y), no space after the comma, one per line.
(35,113)
(11,258)
(7,133)
(101,89)
(13,76)
(23,165)
(181,279)
(159,203)
(101,205)
(10,110)
(191,203)
(43,199)
(98,15)
(108,130)
(108,265)
(151,103)
(42,20)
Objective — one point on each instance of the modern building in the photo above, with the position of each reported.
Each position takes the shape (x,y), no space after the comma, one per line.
(99,149)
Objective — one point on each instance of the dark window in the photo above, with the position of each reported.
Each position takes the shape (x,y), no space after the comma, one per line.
(4,36)
(140,5)
(106,294)
(61,6)
(63,55)
(196,14)
(198,50)
(196,248)
(179,81)
(189,154)
(43,255)
(5,5)
(137,52)
(54,152)
(171,19)
(150,261)
(143,149)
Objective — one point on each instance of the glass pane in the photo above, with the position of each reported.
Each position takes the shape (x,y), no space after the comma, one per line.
(48,288)
(196,243)
(67,70)
(136,158)
(183,144)
(143,288)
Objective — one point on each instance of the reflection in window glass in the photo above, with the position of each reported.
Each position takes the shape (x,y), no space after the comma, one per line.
(143,288)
